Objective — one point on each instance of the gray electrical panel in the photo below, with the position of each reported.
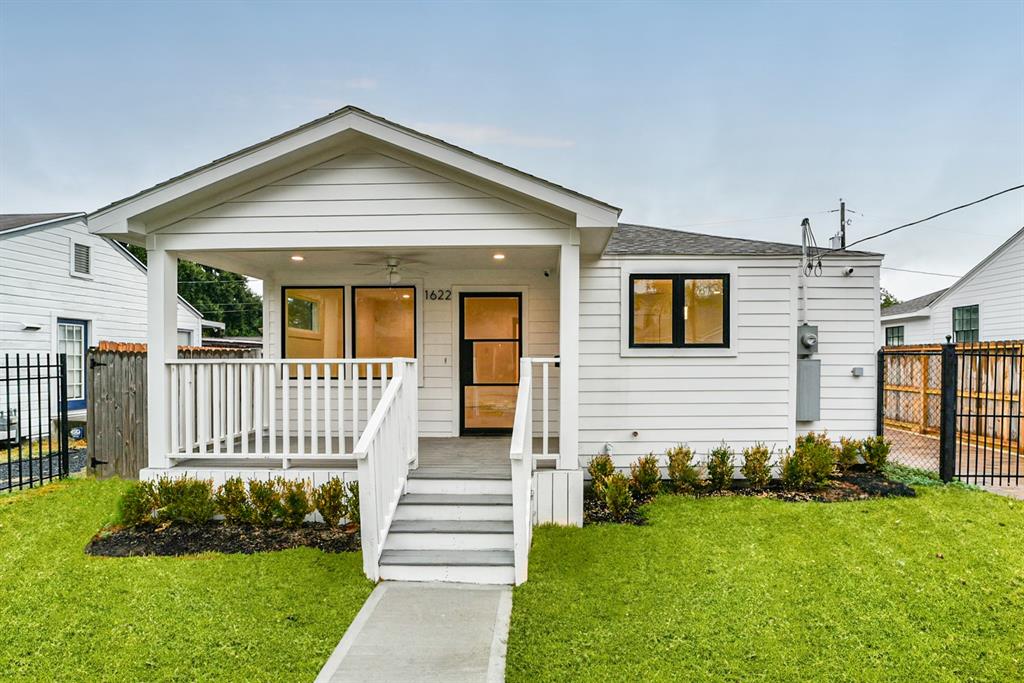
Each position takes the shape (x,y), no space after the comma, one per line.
(808,389)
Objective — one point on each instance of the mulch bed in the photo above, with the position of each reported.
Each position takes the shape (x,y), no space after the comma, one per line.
(218,537)
(847,487)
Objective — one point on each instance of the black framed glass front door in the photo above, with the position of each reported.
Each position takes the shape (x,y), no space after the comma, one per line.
(490,346)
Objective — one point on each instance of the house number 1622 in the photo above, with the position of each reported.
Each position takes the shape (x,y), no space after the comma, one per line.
(439,294)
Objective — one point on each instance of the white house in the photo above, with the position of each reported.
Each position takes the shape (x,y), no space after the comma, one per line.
(63,289)
(462,337)
(986,304)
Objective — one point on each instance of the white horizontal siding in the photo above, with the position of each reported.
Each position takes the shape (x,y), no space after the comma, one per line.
(743,398)
(36,288)
(998,289)
(359,192)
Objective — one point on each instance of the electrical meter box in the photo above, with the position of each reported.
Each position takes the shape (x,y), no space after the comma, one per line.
(806,340)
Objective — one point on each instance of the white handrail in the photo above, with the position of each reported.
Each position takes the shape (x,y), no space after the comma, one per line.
(384,452)
(521,454)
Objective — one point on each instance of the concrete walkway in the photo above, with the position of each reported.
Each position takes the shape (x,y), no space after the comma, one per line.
(425,632)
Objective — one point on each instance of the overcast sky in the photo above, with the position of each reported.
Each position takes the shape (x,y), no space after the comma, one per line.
(729,118)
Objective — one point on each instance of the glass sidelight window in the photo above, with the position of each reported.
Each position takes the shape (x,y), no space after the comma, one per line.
(679,311)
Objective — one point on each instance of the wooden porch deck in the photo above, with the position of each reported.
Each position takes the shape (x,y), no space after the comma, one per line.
(465,457)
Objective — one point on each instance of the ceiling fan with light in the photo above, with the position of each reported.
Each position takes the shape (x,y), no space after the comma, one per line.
(393,268)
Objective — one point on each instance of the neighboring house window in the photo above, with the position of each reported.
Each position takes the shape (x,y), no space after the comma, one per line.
(894,336)
(679,311)
(81,259)
(314,322)
(384,322)
(184,337)
(965,324)
(72,339)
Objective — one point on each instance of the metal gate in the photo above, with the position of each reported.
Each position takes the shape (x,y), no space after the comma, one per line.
(33,420)
(954,409)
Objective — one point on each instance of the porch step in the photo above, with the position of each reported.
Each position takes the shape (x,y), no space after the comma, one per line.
(450,535)
(454,506)
(459,486)
(464,566)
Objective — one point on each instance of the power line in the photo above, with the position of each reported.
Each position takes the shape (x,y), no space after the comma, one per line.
(919,272)
(936,215)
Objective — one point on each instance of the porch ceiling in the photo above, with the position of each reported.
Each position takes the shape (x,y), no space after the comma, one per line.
(413,261)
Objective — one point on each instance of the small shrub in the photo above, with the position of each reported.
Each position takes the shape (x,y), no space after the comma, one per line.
(137,504)
(817,456)
(266,501)
(615,494)
(720,469)
(600,468)
(847,453)
(645,478)
(757,468)
(794,473)
(875,451)
(294,501)
(184,500)
(232,502)
(684,476)
(352,502)
(329,499)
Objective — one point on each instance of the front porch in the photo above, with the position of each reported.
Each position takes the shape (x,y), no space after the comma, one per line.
(468,457)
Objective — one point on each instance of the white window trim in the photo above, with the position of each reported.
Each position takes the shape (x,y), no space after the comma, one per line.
(676,267)
(71,260)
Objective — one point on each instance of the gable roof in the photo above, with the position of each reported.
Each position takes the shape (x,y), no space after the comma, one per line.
(11,222)
(928,300)
(912,305)
(1019,235)
(326,127)
(15,222)
(644,240)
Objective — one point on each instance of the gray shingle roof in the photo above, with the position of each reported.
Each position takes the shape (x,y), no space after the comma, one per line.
(913,304)
(646,240)
(10,221)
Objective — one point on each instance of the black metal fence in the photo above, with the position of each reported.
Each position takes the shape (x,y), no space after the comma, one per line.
(33,420)
(954,409)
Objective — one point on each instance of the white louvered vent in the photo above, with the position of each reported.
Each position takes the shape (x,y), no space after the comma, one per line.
(81,261)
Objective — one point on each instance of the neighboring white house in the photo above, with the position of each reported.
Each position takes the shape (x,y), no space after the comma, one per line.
(63,289)
(491,330)
(986,304)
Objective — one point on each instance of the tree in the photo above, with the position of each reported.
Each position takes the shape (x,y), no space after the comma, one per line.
(888,298)
(219,295)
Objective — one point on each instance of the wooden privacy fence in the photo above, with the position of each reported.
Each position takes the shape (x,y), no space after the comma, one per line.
(987,399)
(116,404)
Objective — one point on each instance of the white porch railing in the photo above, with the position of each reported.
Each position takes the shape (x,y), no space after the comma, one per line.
(284,409)
(524,459)
(386,450)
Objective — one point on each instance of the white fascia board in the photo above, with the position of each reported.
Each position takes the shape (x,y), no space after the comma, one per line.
(117,218)
(52,223)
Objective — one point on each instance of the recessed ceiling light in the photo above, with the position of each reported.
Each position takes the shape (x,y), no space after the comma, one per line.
(407,296)
(499,257)
(296,257)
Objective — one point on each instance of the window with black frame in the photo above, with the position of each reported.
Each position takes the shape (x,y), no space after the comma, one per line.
(679,311)
(966,324)
(894,335)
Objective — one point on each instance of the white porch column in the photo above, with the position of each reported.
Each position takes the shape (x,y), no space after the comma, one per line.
(271,299)
(162,338)
(569,351)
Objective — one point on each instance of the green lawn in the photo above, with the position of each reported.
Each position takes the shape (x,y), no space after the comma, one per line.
(68,616)
(928,588)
